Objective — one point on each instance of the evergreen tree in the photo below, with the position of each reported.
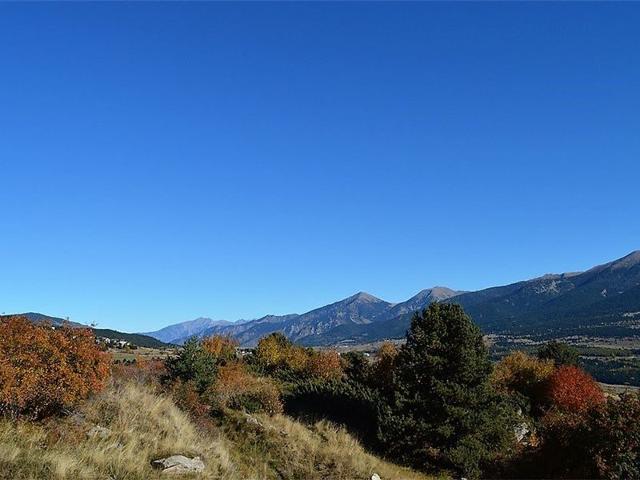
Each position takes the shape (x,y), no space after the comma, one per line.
(444,412)
(193,364)
(559,352)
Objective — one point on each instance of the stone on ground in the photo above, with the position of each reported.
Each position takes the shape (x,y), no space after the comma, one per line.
(179,464)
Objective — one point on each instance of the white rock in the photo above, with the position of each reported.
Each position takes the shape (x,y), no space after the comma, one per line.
(179,464)
(375,476)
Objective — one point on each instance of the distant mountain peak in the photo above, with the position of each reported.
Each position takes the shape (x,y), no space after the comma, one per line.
(433,293)
(442,292)
(363,297)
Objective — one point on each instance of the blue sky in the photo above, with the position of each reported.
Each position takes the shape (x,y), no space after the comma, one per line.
(160,162)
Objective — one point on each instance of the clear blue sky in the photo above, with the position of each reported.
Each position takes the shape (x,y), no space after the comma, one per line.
(160,162)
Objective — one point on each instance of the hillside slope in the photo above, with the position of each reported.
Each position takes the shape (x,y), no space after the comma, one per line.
(602,296)
(137,339)
(143,426)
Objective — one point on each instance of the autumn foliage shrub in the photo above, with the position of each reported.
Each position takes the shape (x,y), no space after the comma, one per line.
(222,348)
(45,369)
(295,359)
(272,350)
(571,389)
(281,358)
(602,442)
(325,365)
(187,397)
(614,431)
(236,388)
(525,376)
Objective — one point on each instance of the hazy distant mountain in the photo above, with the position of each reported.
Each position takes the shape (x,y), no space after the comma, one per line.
(180,331)
(138,339)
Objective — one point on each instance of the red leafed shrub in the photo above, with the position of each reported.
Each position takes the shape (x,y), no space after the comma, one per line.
(603,442)
(43,369)
(573,390)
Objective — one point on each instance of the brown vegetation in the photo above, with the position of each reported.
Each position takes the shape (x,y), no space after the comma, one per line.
(44,369)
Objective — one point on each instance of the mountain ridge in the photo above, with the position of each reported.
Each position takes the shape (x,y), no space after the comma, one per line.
(358,309)
(597,298)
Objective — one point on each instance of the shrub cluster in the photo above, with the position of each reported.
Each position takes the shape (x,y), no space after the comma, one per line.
(45,369)
(582,434)
(236,388)
(278,356)
(524,378)
(207,375)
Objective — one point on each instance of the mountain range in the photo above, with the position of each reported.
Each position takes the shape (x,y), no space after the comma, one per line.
(601,301)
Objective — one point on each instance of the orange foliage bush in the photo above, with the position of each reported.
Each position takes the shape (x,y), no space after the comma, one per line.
(325,365)
(222,348)
(235,387)
(43,369)
(573,390)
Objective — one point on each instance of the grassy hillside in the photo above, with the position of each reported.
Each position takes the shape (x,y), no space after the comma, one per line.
(144,425)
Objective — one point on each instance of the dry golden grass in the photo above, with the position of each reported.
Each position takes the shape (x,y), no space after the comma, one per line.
(323,451)
(145,425)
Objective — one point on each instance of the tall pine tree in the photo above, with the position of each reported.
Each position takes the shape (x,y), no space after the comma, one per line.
(444,412)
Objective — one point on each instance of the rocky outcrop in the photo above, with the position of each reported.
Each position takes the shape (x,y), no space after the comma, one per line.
(179,464)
